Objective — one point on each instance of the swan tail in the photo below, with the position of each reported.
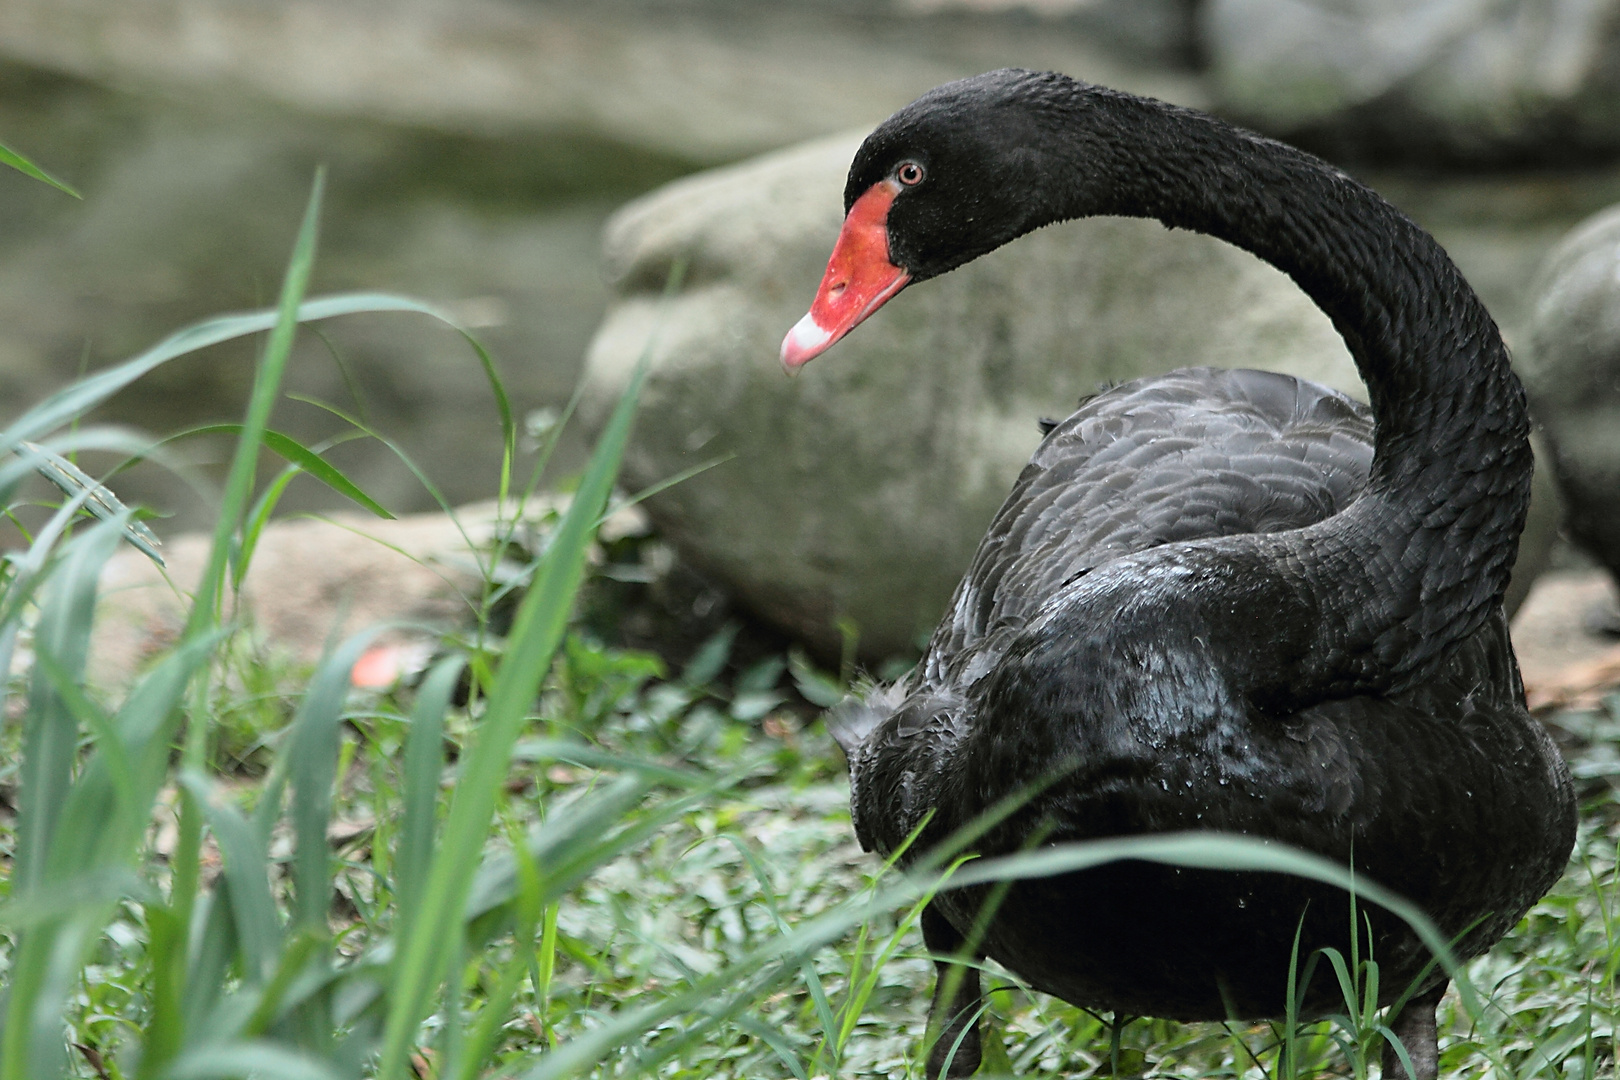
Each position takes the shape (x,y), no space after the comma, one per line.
(853,720)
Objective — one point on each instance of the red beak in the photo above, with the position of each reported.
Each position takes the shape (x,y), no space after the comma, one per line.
(859,279)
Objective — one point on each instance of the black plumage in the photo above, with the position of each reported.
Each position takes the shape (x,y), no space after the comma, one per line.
(1221,600)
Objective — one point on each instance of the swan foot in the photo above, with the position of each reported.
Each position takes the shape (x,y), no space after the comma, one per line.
(953,1022)
(1415,1027)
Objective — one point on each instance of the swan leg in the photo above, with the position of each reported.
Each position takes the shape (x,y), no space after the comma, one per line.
(956,1018)
(1415,1027)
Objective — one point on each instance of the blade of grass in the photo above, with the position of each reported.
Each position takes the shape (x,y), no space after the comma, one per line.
(45,966)
(257,1058)
(50,733)
(667,483)
(55,899)
(485,1036)
(17,161)
(217,946)
(238,487)
(100,501)
(29,457)
(313,756)
(537,631)
(1220,851)
(108,809)
(45,960)
(266,385)
(503,405)
(424,765)
(257,519)
(405,459)
(296,453)
(86,712)
(253,908)
(78,398)
(580,834)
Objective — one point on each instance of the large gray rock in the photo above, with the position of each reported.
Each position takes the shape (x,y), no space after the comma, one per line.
(1488,80)
(1571,366)
(860,489)
(475,148)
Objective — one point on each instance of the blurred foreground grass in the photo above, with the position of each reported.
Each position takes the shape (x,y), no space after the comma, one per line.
(551,857)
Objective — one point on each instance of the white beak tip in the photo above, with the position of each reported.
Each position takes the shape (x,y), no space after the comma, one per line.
(804,342)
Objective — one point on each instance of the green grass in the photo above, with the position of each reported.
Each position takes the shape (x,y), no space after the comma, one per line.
(596,865)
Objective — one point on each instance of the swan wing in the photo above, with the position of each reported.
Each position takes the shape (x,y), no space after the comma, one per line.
(1197,453)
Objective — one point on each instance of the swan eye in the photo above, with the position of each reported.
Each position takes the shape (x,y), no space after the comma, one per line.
(910,174)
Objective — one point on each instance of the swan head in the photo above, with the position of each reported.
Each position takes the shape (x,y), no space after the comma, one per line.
(957,173)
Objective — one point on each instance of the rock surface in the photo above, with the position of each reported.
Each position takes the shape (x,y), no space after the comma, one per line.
(1571,367)
(860,489)
(1564,663)
(1423,80)
(474,149)
(312,582)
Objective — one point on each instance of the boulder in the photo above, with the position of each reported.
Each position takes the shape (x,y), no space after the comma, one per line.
(311,583)
(315,581)
(1571,367)
(859,490)
(475,148)
(1423,80)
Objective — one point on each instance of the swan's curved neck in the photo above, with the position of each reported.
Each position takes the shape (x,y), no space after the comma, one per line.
(1424,556)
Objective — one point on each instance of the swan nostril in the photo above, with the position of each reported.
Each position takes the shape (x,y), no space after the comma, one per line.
(837,290)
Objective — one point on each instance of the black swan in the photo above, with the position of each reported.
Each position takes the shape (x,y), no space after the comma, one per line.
(1223,600)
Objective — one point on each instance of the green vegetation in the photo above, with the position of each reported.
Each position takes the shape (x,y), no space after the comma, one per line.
(551,857)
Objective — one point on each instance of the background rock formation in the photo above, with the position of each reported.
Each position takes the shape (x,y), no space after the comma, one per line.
(1571,367)
(860,489)
(1423,80)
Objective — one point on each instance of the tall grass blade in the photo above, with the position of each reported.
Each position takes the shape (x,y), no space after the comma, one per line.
(50,733)
(537,631)
(77,398)
(296,453)
(313,755)
(28,458)
(1220,851)
(424,764)
(106,812)
(252,907)
(257,519)
(55,899)
(261,1060)
(45,967)
(405,459)
(106,794)
(234,500)
(73,481)
(503,406)
(569,842)
(217,946)
(266,386)
(46,957)
(17,161)
(485,1036)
